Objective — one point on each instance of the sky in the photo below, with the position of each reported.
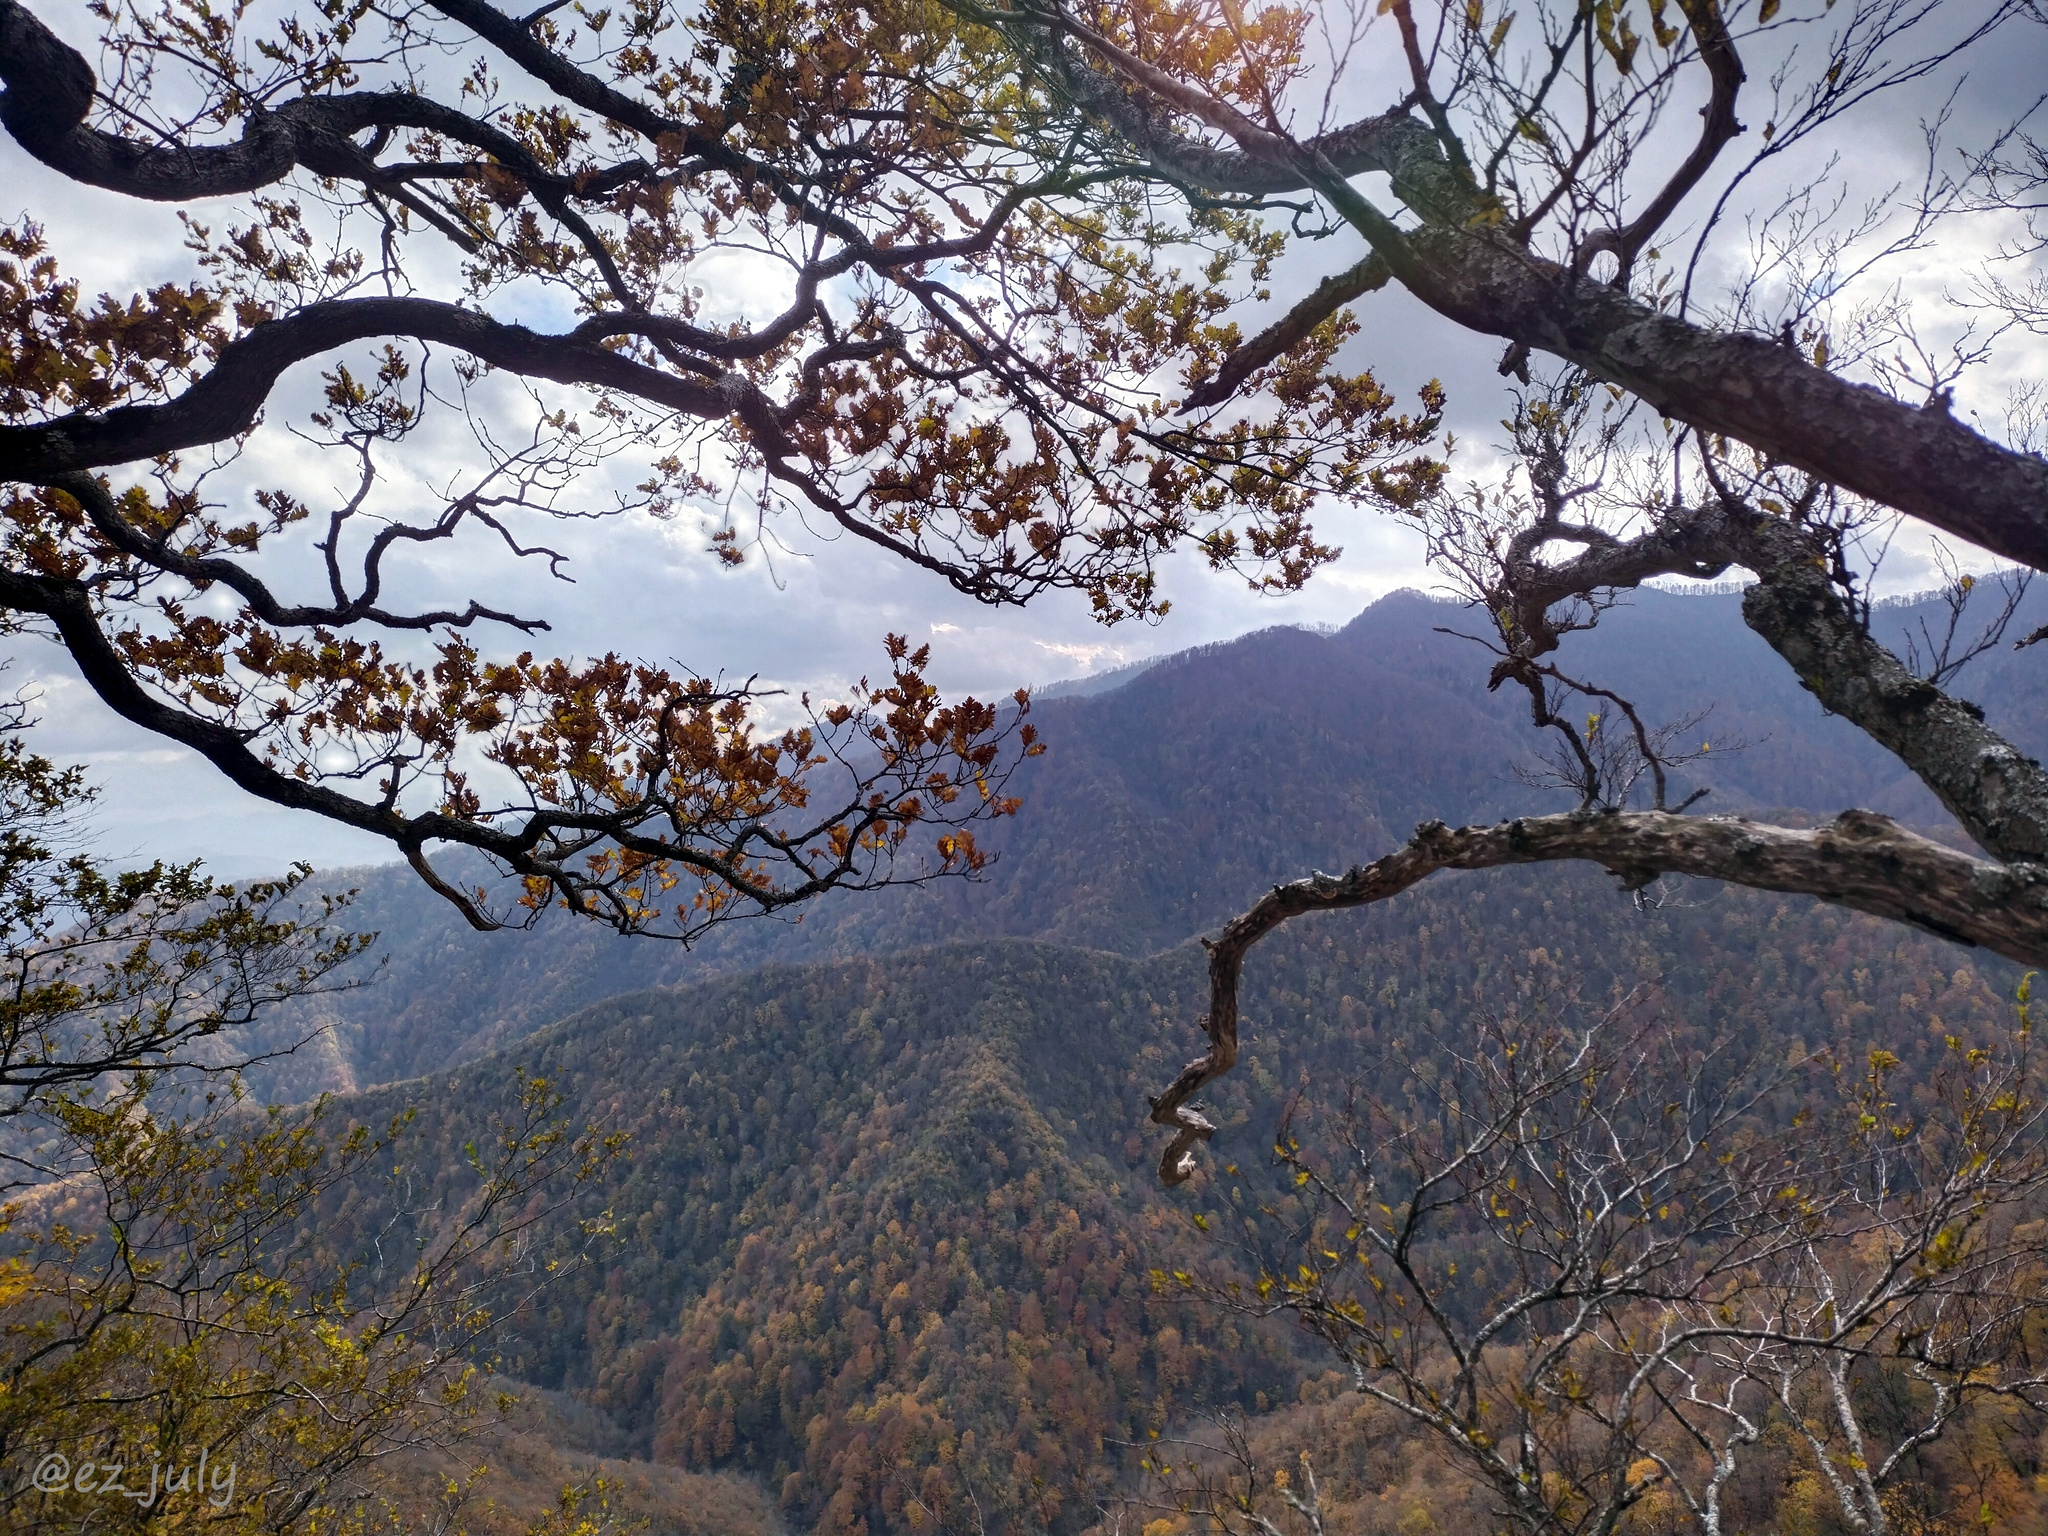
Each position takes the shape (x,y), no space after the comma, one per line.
(812,616)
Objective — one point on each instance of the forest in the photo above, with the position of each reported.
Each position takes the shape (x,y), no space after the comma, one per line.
(1551,1054)
(886,1230)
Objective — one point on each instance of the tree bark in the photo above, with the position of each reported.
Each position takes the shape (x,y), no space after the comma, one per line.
(1997,793)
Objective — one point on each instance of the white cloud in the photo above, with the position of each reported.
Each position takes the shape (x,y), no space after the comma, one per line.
(1085,655)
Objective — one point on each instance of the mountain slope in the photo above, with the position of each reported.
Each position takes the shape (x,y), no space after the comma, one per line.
(1165,805)
(885,1227)
(877,1238)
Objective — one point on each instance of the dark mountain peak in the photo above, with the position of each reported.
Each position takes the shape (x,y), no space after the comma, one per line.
(1164,806)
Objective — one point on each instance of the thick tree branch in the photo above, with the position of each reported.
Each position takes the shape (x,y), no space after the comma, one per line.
(49,93)
(68,606)
(1354,148)
(1859,860)
(226,400)
(1997,793)
(1920,461)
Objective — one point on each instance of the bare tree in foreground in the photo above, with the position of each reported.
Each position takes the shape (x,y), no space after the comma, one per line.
(1596,1265)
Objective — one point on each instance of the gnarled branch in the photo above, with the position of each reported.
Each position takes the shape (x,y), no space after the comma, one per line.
(1860,860)
(1920,461)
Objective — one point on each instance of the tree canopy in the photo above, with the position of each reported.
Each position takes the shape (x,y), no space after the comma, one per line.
(959,363)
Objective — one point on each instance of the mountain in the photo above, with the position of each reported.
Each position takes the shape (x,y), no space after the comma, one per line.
(1164,805)
(879,1238)
(886,1225)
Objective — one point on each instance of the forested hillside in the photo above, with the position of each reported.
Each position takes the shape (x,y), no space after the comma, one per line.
(1166,805)
(885,1228)
(884,1238)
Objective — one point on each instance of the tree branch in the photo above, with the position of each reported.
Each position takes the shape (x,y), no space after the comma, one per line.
(1860,860)
(49,93)
(547,842)
(226,400)
(1288,332)
(1997,793)
(106,516)
(1920,461)
(1717,128)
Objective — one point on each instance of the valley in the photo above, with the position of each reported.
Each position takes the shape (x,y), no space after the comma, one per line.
(885,1232)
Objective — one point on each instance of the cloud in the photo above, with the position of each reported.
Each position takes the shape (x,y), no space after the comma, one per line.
(1086,655)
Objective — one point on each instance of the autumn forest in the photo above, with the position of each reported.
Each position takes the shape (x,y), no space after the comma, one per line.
(570,973)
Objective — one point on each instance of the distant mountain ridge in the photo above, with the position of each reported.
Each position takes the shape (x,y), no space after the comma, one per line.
(1167,803)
